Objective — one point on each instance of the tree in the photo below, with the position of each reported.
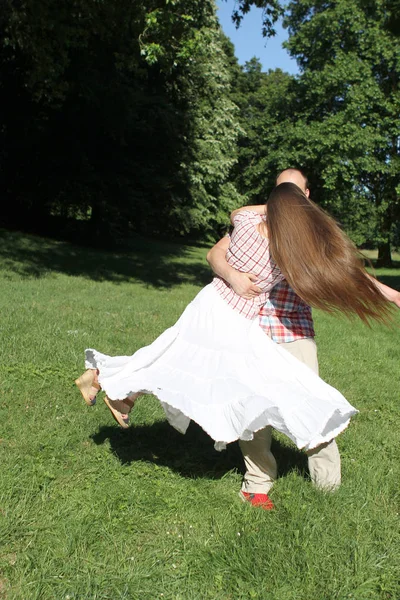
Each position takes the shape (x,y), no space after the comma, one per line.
(271,11)
(340,118)
(118,111)
(348,51)
(265,101)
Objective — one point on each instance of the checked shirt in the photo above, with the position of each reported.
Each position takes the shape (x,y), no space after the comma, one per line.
(285,317)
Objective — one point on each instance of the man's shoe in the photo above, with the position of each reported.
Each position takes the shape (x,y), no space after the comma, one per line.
(259,500)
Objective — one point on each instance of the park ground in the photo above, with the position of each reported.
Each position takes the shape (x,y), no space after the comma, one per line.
(90,512)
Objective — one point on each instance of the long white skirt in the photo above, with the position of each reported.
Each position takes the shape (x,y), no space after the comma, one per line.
(220,369)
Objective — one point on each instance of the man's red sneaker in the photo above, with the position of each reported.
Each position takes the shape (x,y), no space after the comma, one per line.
(258,500)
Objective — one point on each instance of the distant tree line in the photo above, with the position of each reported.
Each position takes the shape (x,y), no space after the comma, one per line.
(121,117)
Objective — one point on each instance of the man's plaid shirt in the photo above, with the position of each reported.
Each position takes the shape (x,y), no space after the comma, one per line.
(282,314)
(285,317)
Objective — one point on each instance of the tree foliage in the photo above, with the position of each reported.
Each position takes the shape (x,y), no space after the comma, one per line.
(265,100)
(136,117)
(339,119)
(271,11)
(350,61)
(117,110)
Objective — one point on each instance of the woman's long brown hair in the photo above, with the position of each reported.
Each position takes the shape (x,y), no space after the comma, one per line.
(318,260)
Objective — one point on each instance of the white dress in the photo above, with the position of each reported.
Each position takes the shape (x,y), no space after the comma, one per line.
(218,368)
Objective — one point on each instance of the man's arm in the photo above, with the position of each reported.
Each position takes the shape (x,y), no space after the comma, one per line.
(389,293)
(242,283)
(257,208)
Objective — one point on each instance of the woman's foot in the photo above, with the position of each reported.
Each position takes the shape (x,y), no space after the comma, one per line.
(88,386)
(120,409)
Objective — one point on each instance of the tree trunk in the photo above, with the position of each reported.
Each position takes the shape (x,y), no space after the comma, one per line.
(384,255)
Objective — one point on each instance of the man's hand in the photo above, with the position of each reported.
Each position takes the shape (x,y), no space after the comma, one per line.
(390,294)
(259,209)
(242,284)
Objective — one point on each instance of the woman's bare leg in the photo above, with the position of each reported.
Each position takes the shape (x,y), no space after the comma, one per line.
(120,409)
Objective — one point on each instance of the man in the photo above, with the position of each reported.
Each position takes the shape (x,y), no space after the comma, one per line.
(287,320)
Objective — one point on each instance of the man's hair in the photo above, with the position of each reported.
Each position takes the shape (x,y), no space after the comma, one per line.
(317,259)
(302,173)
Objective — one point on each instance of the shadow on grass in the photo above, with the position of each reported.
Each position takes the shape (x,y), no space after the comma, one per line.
(158,264)
(153,262)
(191,455)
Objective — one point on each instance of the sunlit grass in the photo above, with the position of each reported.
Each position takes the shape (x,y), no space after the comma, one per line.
(91,512)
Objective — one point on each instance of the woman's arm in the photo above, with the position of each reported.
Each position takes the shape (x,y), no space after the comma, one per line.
(241,283)
(259,209)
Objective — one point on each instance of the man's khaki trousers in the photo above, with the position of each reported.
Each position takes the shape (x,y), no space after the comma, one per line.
(323,461)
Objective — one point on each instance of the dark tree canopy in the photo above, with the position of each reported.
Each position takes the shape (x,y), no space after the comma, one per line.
(129,117)
(119,112)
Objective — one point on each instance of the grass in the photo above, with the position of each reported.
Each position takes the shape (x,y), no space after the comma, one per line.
(373,255)
(90,512)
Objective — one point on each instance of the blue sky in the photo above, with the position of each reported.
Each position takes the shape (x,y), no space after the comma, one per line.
(249,42)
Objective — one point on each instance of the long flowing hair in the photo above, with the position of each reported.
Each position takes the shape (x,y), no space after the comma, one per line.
(318,260)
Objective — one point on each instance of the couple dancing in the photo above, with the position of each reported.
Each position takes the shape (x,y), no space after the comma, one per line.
(217,366)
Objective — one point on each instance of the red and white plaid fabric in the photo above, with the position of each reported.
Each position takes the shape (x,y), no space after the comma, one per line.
(285,317)
(249,252)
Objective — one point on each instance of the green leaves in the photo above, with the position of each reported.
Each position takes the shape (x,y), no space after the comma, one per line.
(128,108)
(339,119)
(348,56)
(272,10)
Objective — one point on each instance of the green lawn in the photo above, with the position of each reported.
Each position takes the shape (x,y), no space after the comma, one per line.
(88,511)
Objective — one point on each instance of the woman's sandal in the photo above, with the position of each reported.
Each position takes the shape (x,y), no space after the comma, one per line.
(120,409)
(88,386)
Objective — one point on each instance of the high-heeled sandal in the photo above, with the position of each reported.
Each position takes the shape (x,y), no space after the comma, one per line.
(120,409)
(88,386)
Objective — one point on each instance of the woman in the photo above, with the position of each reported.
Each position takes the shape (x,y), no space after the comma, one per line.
(217,367)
